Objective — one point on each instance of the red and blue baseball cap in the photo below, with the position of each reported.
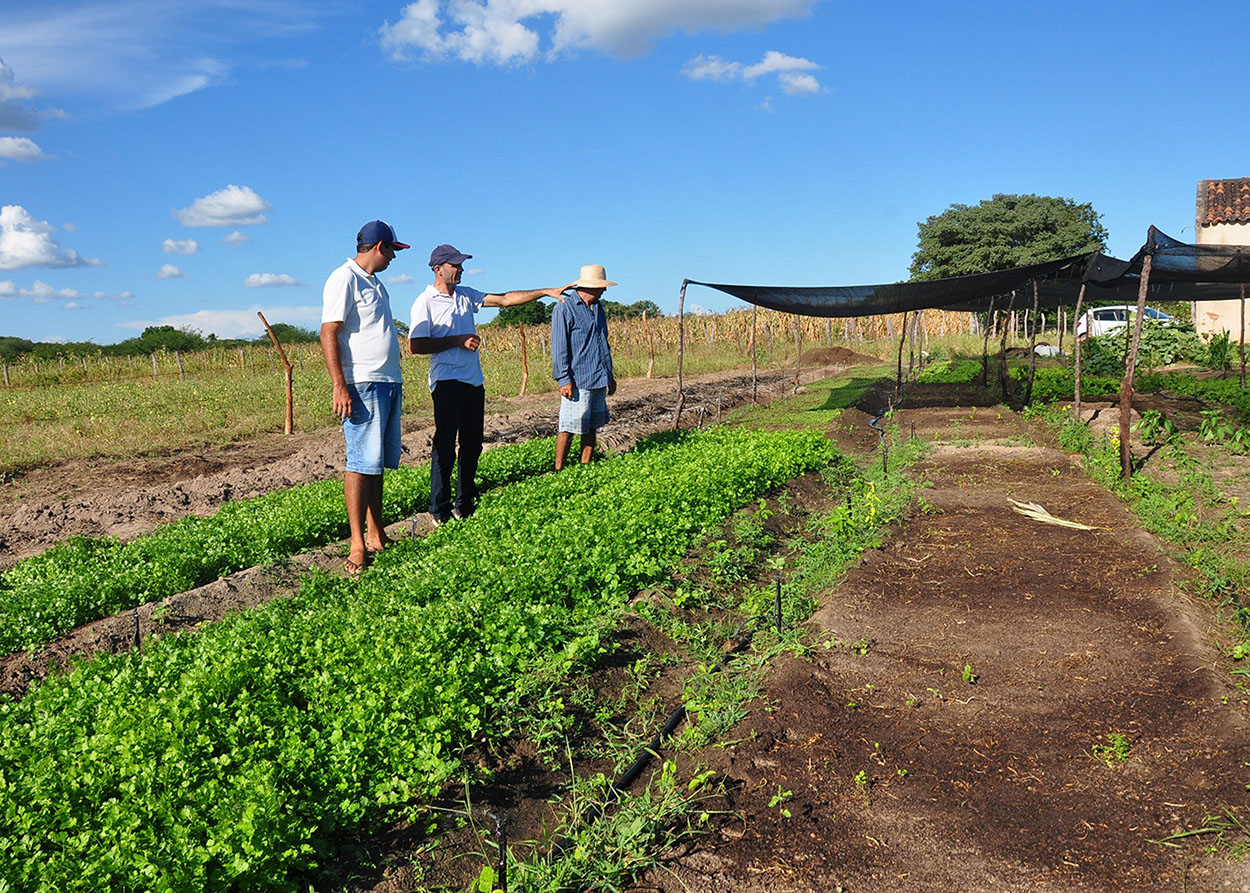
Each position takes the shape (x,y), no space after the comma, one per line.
(379,231)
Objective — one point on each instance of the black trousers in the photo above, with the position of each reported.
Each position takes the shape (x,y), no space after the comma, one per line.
(459,412)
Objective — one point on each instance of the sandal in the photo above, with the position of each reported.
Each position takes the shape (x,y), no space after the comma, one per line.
(353,569)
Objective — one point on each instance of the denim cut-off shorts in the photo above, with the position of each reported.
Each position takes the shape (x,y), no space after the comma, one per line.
(372,430)
(587,410)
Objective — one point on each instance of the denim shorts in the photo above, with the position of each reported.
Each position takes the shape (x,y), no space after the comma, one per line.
(587,411)
(372,430)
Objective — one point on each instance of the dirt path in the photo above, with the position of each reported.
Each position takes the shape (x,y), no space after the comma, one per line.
(907,776)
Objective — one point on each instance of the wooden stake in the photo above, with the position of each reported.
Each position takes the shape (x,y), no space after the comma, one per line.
(1126,386)
(646,323)
(755,388)
(525,362)
(681,352)
(1076,353)
(1028,390)
(290,388)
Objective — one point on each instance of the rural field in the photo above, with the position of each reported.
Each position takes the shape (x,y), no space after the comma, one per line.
(830,634)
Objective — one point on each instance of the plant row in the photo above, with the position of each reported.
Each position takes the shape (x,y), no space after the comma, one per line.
(235,757)
(85,579)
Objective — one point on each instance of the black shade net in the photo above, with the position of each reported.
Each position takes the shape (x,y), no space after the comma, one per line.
(1180,272)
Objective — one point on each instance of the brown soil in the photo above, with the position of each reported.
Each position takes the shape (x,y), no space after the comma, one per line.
(992,784)
(989,782)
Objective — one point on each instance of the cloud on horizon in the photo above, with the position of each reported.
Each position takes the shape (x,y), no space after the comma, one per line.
(27,242)
(234,323)
(232,206)
(507,32)
(270,280)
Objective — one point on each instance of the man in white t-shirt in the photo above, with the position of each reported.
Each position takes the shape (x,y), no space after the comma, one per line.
(442,326)
(361,352)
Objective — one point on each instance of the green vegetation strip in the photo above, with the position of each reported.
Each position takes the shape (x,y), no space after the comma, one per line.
(230,758)
(85,579)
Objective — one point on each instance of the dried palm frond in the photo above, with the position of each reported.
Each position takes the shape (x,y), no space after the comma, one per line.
(1037,513)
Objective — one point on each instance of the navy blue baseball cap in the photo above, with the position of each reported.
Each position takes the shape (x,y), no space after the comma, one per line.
(447,254)
(379,231)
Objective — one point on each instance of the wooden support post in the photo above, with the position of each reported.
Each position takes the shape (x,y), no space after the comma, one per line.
(1010,316)
(1243,336)
(755,386)
(525,361)
(290,389)
(1126,386)
(646,323)
(1028,390)
(798,352)
(1076,354)
(898,383)
(990,317)
(681,352)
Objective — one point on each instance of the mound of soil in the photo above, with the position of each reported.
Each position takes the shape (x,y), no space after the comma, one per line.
(835,356)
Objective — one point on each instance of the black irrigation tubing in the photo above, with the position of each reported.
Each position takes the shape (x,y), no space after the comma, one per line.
(651,749)
(885,447)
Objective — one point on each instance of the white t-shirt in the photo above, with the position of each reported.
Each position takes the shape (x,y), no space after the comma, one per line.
(368,345)
(435,315)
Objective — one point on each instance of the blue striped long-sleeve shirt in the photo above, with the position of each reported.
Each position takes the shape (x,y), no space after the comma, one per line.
(579,344)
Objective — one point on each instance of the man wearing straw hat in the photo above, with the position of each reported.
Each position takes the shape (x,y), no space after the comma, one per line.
(581,364)
(443,327)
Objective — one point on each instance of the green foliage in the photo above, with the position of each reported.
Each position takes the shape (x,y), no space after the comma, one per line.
(616,310)
(1003,232)
(951,372)
(1103,355)
(1155,428)
(535,313)
(84,579)
(289,334)
(1219,352)
(235,758)
(1055,383)
(1116,750)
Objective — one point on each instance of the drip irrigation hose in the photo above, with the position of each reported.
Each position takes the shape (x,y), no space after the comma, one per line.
(651,749)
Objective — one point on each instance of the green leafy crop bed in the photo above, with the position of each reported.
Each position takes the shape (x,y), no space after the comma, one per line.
(85,579)
(229,758)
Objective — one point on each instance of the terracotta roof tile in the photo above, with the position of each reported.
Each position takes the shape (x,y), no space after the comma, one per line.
(1223,201)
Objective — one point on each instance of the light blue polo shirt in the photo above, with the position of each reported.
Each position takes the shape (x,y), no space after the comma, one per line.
(436,315)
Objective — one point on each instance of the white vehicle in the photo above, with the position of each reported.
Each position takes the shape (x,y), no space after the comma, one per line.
(1104,320)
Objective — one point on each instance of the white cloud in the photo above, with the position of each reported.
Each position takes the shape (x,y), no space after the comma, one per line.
(169,271)
(133,54)
(8,288)
(180,246)
(235,238)
(791,71)
(19,148)
(270,280)
(27,242)
(399,279)
(234,323)
(506,32)
(232,206)
(42,293)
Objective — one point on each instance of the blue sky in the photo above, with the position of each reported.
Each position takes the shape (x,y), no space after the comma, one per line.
(189,163)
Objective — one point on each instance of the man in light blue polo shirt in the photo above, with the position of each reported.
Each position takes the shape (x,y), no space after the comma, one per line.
(361,353)
(443,327)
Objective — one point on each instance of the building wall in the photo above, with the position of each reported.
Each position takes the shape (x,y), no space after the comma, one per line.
(1213,317)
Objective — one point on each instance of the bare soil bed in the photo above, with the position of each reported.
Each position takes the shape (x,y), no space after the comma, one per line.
(911,773)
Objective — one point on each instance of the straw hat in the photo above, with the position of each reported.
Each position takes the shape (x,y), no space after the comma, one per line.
(593,276)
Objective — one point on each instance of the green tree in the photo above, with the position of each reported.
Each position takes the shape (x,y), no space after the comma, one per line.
(289,334)
(631,311)
(533,313)
(1003,232)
